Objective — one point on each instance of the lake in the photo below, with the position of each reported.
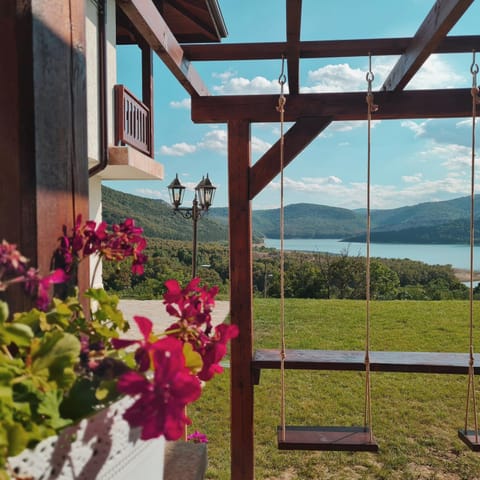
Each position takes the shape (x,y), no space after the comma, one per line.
(456,255)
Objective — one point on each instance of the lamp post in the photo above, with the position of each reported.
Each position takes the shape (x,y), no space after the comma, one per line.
(203,199)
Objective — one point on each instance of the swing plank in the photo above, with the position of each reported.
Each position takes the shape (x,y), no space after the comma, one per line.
(353,360)
(347,439)
(470,439)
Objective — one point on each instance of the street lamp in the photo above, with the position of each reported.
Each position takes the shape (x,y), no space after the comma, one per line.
(202,201)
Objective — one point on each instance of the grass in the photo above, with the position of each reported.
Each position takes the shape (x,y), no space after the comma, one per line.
(415,416)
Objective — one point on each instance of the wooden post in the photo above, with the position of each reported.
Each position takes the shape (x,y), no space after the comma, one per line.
(241,311)
(147,89)
(43,140)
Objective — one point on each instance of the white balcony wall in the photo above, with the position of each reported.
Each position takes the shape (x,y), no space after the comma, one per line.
(93,128)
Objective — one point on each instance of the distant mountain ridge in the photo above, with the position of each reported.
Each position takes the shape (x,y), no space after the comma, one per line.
(429,222)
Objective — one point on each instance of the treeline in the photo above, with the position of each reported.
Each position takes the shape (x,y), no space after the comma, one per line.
(307,275)
(316,275)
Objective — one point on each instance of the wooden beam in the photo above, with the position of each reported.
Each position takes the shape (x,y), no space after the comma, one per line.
(147,90)
(43,121)
(304,131)
(439,21)
(411,104)
(146,18)
(241,308)
(323,48)
(294,18)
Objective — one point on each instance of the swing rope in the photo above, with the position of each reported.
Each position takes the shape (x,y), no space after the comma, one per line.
(371,107)
(471,375)
(281,109)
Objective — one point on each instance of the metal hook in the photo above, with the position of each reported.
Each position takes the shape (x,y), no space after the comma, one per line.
(282,78)
(474,66)
(369,76)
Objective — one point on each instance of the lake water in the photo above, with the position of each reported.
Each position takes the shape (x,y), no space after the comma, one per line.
(456,255)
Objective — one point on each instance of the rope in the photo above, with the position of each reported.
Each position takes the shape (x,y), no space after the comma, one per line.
(471,374)
(281,109)
(371,107)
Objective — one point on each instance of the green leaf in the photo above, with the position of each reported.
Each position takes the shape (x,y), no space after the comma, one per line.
(17,333)
(54,358)
(193,360)
(18,439)
(3,311)
(50,407)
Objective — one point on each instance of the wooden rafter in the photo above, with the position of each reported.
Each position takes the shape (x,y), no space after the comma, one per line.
(149,23)
(323,48)
(294,17)
(439,21)
(447,103)
(296,139)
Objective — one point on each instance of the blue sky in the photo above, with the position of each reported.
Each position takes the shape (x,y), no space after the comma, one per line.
(412,161)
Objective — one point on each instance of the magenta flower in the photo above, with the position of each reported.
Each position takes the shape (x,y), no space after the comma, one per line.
(160,406)
(117,243)
(197,437)
(213,352)
(142,355)
(43,300)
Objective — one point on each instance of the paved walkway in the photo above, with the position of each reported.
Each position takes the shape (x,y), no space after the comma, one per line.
(155,311)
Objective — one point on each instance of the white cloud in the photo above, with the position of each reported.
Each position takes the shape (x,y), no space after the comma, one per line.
(182,104)
(239,85)
(335,78)
(436,73)
(333,191)
(178,149)
(418,128)
(215,140)
(452,156)
(259,145)
(417,177)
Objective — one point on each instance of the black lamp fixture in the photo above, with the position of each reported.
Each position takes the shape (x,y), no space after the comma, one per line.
(204,193)
(176,191)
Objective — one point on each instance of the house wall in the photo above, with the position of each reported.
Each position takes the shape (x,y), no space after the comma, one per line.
(95,183)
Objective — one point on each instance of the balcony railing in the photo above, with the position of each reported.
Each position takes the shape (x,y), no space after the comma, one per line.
(132,122)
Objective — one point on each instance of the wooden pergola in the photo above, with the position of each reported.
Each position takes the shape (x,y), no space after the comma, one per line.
(311,114)
(39,199)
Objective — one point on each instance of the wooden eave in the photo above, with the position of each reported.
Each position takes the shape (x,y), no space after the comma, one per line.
(148,22)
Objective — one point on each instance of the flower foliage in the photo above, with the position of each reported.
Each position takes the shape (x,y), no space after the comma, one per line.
(59,363)
(188,352)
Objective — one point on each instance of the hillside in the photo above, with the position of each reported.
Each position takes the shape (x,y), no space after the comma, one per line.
(431,222)
(157,218)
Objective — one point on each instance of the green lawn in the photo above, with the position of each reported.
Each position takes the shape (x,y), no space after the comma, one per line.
(415,416)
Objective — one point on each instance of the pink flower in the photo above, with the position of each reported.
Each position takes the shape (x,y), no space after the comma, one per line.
(197,437)
(213,352)
(142,355)
(160,406)
(57,276)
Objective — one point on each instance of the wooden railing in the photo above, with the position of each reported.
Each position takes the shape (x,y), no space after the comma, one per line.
(132,121)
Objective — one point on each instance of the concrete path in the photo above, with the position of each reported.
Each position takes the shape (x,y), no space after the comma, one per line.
(155,311)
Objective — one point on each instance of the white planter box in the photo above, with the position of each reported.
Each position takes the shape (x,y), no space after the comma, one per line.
(102,447)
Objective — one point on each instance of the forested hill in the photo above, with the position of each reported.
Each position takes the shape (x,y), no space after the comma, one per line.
(431,222)
(303,220)
(156,217)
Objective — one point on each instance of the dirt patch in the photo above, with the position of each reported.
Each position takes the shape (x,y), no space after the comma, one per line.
(463,275)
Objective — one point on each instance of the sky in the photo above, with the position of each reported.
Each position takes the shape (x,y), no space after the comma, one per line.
(412,161)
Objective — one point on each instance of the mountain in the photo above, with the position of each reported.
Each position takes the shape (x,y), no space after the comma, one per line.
(429,222)
(444,222)
(302,220)
(157,218)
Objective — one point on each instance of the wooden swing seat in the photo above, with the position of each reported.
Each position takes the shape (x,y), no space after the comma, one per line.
(470,439)
(353,360)
(347,439)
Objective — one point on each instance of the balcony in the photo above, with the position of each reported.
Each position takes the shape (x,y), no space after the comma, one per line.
(131,158)
(132,121)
